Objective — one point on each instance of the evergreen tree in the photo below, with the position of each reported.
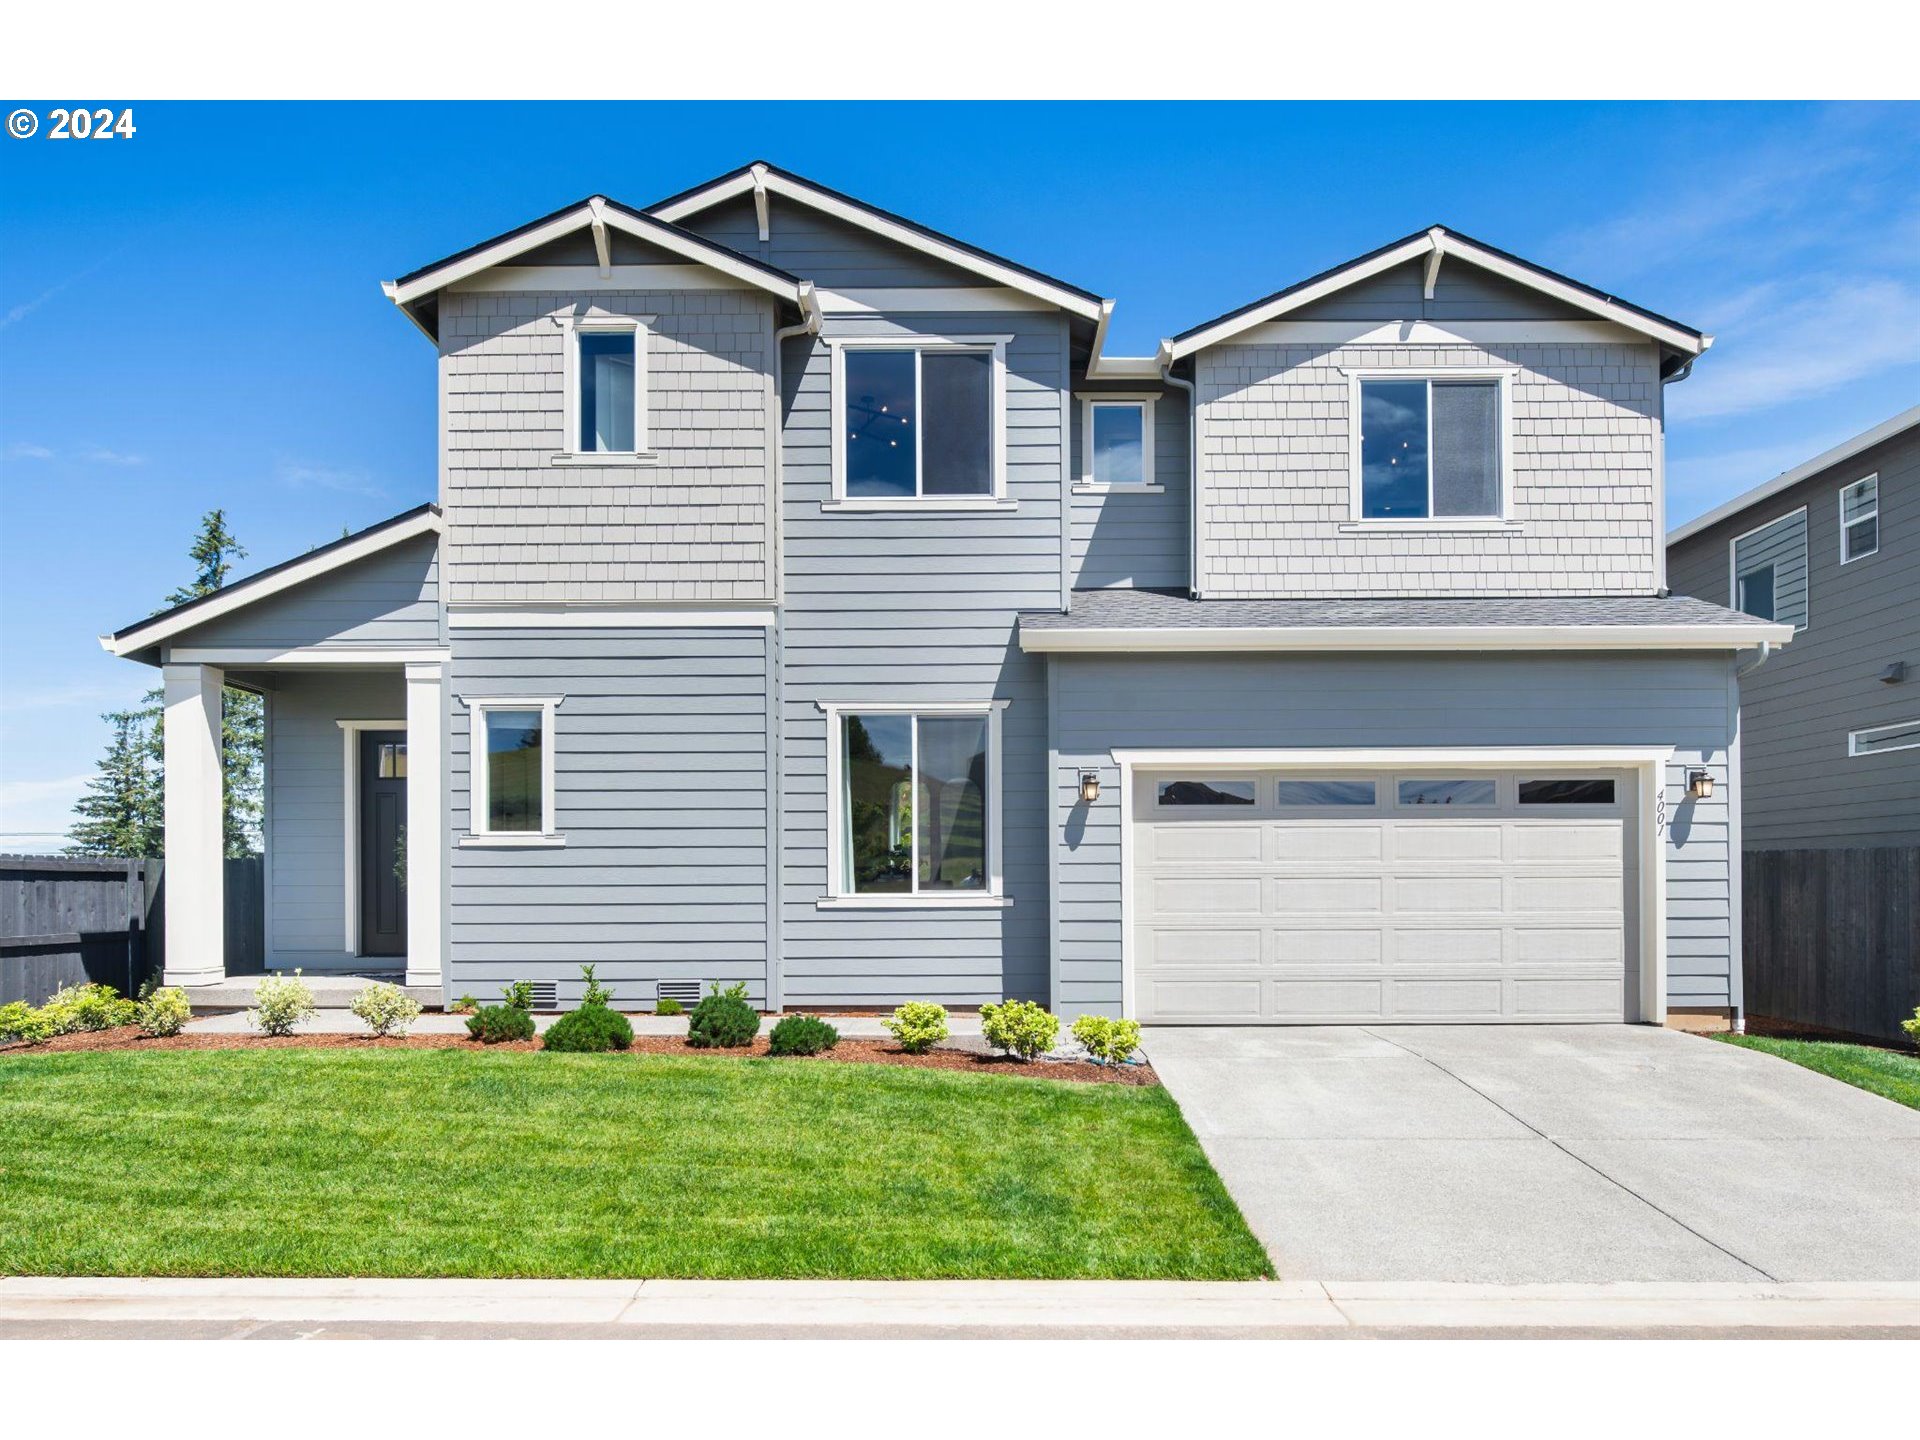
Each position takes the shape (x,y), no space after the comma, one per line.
(121,812)
(213,553)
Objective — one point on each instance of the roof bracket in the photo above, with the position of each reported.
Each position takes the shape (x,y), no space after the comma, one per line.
(602,247)
(760,210)
(1438,236)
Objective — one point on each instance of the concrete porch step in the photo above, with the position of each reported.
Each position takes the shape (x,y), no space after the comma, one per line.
(330,992)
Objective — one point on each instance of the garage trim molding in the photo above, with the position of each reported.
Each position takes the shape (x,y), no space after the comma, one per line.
(1647,762)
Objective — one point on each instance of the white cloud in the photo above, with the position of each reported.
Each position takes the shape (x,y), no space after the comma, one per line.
(23,450)
(298,475)
(100,455)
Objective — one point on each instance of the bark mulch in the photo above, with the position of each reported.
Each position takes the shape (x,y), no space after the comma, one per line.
(847,1052)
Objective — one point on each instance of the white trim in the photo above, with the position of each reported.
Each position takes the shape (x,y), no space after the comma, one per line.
(927,300)
(866,219)
(993,345)
(1181,639)
(426,837)
(1854,737)
(1806,563)
(350,732)
(605,617)
(1873,515)
(477,707)
(838,894)
(1648,762)
(1845,450)
(1144,402)
(245,592)
(935,505)
(1477,333)
(1356,470)
(507,841)
(574,326)
(196,914)
(305,655)
(572,279)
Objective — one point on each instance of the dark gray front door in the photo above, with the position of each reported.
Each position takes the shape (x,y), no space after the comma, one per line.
(383,823)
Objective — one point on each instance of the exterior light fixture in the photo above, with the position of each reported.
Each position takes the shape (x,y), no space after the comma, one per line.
(1089,786)
(1699,785)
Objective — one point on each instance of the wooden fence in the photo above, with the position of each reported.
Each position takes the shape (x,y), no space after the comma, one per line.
(67,921)
(1832,937)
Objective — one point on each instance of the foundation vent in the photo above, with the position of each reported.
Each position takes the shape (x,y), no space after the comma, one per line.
(687,992)
(546,995)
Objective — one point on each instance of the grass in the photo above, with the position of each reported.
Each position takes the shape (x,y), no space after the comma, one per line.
(447,1162)
(1884,1072)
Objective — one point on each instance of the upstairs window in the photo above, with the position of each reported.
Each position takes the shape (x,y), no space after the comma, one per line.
(1770,570)
(917,422)
(606,388)
(1860,519)
(1116,442)
(1430,448)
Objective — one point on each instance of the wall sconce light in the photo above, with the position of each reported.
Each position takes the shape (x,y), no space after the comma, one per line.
(1699,785)
(1089,787)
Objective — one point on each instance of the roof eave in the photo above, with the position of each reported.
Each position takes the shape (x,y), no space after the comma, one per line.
(1192,639)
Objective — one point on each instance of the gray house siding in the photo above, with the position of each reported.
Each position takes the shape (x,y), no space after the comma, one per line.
(1382,701)
(831,253)
(389,598)
(1779,545)
(1137,541)
(1461,292)
(1803,790)
(662,791)
(902,607)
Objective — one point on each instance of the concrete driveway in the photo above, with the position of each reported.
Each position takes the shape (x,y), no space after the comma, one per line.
(1514,1154)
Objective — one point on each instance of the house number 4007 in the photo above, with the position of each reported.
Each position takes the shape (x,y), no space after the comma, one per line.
(89,124)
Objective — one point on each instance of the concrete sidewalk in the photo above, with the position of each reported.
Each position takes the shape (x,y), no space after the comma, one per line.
(630,1309)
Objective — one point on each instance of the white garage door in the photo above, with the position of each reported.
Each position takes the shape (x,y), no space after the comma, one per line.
(1390,896)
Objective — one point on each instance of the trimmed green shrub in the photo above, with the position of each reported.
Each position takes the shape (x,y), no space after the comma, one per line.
(87,1007)
(163,1012)
(1106,1039)
(518,995)
(667,1005)
(1912,1027)
(1020,1027)
(595,993)
(21,1021)
(280,1003)
(724,1020)
(802,1035)
(497,1023)
(918,1025)
(386,1009)
(591,1029)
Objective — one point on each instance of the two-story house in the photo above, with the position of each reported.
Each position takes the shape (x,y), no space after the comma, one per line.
(812,601)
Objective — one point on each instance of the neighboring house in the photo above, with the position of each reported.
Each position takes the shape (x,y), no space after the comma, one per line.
(1831,740)
(812,602)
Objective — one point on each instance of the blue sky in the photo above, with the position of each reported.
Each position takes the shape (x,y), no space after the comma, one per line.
(191,318)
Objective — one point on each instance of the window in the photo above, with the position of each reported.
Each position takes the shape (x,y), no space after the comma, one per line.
(1754,592)
(1116,441)
(606,382)
(918,802)
(1327,792)
(1566,792)
(1430,448)
(1860,519)
(1446,792)
(393,761)
(1902,735)
(918,423)
(1203,792)
(511,767)
(1768,570)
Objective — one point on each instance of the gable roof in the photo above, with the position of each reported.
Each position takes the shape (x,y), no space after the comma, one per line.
(1436,244)
(760,178)
(1787,479)
(598,213)
(421,520)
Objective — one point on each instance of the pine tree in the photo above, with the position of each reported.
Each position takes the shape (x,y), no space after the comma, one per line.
(213,552)
(121,812)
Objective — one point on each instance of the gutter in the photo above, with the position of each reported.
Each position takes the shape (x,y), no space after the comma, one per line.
(1252,639)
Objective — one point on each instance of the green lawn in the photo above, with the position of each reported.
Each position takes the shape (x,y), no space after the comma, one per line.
(1884,1072)
(451,1162)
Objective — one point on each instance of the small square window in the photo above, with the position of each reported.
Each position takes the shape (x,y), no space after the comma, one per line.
(1327,792)
(1860,519)
(1566,792)
(608,391)
(1446,792)
(1118,442)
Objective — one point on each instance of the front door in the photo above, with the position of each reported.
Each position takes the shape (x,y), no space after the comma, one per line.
(383,828)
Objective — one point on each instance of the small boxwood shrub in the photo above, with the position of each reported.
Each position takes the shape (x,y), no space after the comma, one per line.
(163,1012)
(918,1025)
(802,1035)
(280,1003)
(592,1029)
(386,1009)
(21,1021)
(1912,1027)
(724,1020)
(494,1024)
(1107,1040)
(1020,1027)
(667,1005)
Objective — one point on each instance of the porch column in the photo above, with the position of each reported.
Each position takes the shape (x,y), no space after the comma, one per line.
(426,822)
(195,795)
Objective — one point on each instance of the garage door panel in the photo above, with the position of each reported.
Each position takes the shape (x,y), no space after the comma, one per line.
(1446,999)
(1204,844)
(1557,894)
(1217,895)
(1326,999)
(1326,894)
(1222,1000)
(1567,997)
(1328,947)
(1446,895)
(1448,946)
(1162,945)
(1563,842)
(1326,842)
(1568,945)
(1450,843)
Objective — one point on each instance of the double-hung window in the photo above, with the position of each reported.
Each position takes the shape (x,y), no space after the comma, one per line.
(1116,442)
(511,769)
(916,803)
(919,422)
(1860,519)
(1430,447)
(606,379)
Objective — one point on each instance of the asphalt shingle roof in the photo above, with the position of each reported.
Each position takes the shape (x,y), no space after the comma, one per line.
(1160,610)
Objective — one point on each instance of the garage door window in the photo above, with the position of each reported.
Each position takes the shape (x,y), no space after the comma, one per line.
(1175,793)
(1458,793)
(1566,792)
(1327,792)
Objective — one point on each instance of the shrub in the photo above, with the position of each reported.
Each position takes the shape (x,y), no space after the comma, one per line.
(87,1007)
(723,1020)
(667,1005)
(21,1021)
(518,995)
(387,1009)
(163,1012)
(595,993)
(281,1002)
(1106,1039)
(1020,1027)
(590,1029)
(918,1025)
(1912,1027)
(496,1023)
(465,1005)
(802,1035)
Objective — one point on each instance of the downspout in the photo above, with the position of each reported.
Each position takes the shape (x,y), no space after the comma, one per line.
(1167,377)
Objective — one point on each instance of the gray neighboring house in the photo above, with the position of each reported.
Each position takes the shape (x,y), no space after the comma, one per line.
(811,601)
